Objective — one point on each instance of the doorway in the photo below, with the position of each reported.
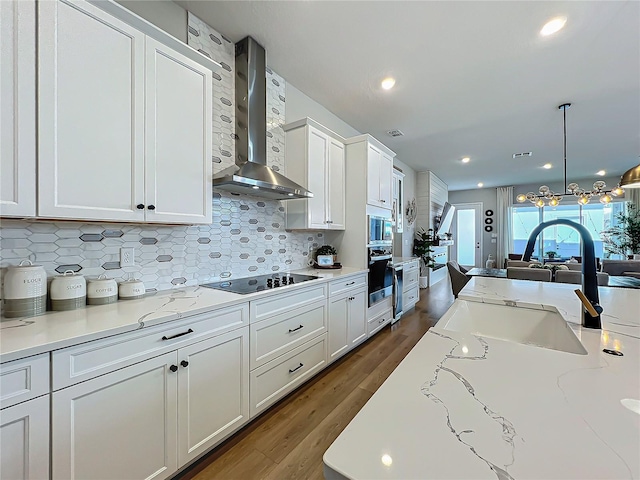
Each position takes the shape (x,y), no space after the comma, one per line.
(467,235)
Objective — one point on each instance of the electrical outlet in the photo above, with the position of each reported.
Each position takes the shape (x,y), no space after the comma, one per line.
(127,257)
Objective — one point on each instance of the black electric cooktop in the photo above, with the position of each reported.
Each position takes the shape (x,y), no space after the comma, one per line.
(259,283)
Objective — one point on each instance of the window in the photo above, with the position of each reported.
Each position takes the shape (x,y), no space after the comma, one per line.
(563,240)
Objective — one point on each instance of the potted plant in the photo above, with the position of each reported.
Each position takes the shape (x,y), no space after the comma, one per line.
(326,255)
(422,244)
(551,253)
(624,238)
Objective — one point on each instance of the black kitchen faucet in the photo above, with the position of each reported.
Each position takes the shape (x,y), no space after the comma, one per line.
(589,273)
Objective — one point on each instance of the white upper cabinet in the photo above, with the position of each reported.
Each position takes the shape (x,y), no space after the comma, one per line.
(91,114)
(315,158)
(178,137)
(124,122)
(17,108)
(379,177)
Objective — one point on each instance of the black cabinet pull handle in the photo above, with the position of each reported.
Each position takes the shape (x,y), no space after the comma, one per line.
(140,206)
(173,368)
(296,329)
(151,207)
(350,283)
(184,363)
(297,368)
(177,335)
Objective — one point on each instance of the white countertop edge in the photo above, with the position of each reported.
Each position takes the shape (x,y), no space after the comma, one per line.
(141,317)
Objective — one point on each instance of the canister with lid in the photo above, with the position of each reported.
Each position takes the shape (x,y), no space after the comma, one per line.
(131,289)
(25,290)
(101,290)
(68,291)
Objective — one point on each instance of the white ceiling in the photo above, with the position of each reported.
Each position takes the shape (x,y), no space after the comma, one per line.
(473,78)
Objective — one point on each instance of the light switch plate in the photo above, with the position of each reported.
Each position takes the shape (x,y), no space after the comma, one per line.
(127,257)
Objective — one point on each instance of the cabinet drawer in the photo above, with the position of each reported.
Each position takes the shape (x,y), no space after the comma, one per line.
(412,265)
(410,280)
(410,297)
(82,362)
(277,335)
(380,307)
(346,284)
(276,304)
(24,379)
(275,379)
(379,321)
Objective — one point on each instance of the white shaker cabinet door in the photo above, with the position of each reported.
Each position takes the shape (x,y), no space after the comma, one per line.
(178,138)
(317,184)
(24,440)
(119,426)
(213,386)
(338,328)
(17,108)
(386,181)
(357,318)
(336,188)
(90,114)
(374,157)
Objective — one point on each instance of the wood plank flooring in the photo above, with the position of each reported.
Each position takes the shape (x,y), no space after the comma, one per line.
(288,441)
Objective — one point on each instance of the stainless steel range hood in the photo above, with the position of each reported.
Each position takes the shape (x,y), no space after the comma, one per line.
(250,174)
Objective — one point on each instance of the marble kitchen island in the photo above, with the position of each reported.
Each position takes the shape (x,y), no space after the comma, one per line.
(469,407)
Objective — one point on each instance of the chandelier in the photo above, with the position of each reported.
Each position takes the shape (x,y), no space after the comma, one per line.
(547,197)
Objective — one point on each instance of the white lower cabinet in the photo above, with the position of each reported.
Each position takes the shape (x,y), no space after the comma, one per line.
(147,420)
(213,392)
(24,440)
(274,379)
(347,322)
(379,315)
(122,425)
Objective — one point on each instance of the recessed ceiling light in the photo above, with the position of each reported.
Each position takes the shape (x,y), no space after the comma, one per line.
(255,187)
(466,160)
(547,166)
(552,26)
(388,83)
(602,173)
(480,185)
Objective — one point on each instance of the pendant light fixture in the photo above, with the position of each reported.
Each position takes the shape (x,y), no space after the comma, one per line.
(547,197)
(631,178)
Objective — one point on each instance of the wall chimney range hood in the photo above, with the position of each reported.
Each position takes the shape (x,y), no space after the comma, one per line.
(251,175)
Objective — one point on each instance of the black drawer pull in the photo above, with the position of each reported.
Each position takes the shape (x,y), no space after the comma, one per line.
(173,368)
(382,321)
(297,368)
(177,335)
(350,283)
(296,329)
(151,207)
(140,206)
(184,363)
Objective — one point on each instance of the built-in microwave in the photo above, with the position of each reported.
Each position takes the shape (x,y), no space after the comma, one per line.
(380,231)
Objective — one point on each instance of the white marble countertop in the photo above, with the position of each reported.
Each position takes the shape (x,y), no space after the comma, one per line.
(23,337)
(469,407)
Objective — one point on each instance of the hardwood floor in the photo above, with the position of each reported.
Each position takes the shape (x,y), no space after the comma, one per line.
(288,441)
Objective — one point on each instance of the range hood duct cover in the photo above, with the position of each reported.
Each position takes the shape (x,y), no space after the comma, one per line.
(251,175)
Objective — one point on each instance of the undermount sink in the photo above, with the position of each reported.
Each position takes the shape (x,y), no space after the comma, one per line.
(537,327)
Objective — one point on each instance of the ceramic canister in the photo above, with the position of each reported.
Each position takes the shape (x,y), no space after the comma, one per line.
(101,290)
(131,289)
(25,290)
(68,291)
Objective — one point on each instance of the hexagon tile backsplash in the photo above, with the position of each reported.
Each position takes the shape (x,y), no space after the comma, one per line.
(247,238)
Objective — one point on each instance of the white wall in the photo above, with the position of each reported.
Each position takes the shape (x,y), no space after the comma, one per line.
(164,14)
(300,105)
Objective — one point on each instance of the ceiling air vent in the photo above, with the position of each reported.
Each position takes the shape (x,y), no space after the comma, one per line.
(523,154)
(395,133)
